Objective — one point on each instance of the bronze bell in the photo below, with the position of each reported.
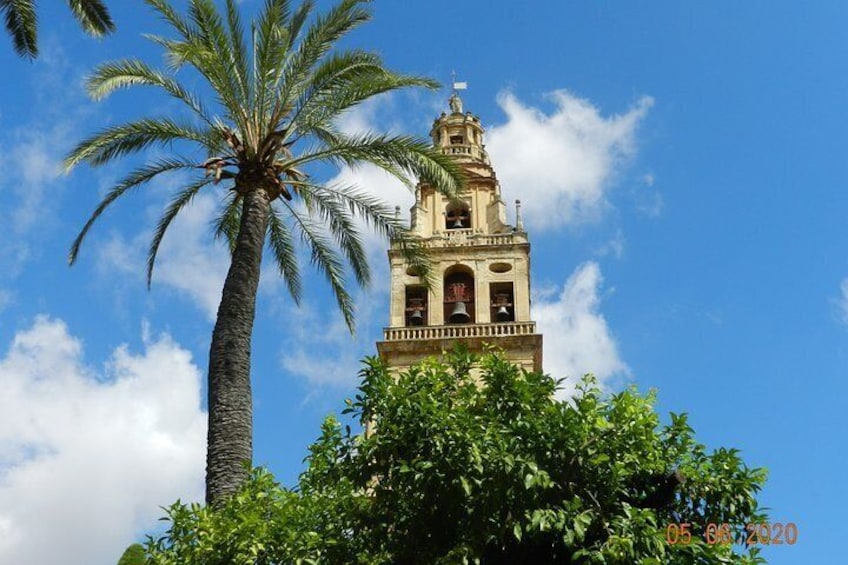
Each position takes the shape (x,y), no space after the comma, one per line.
(503,315)
(457,223)
(417,318)
(459,314)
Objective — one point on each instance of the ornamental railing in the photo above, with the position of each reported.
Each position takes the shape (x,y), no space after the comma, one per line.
(467,238)
(459,331)
(463,150)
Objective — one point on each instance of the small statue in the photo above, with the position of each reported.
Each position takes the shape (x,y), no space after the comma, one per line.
(455,103)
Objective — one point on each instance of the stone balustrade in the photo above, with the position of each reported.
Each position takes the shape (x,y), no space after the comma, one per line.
(467,238)
(456,331)
(463,150)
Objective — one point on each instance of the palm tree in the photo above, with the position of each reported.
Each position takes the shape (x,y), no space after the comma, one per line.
(22,23)
(278,94)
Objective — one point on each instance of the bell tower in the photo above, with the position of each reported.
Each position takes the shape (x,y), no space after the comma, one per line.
(481,264)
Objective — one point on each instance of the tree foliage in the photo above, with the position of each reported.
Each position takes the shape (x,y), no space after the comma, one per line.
(134,555)
(482,465)
(22,22)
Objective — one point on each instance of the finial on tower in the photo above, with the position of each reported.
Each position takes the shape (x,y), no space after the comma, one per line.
(519,222)
(455,101)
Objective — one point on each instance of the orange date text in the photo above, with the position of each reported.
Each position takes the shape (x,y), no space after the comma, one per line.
(764,533)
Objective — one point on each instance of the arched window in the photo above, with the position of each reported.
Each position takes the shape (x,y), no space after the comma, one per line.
(457,216)
(459,295)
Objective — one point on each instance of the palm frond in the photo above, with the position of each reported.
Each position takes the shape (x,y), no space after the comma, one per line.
(204,45)
(298,20)
(349,87)
(22,25)
(93,16)
(220,67)
(135,179)
(114,75)
(227,223)
(271,46)
(326,260)
(317,42)
(236,39)
(380,216)
(390,153)
(367,207)
(172,17)
(180,201)
(417,256)
(337,216)
(329,75)
(125,139)
(285,253)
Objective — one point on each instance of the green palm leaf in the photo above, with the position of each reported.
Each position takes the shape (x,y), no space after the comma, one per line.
(125,139)
(326,260)
(92,16)
(180,201)
(227,223)
(22,23)
(116,75)
(135,179)
(285,254)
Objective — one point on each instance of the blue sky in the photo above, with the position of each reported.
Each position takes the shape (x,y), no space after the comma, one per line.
(683,178)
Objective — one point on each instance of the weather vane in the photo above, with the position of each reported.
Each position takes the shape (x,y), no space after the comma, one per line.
(455,101)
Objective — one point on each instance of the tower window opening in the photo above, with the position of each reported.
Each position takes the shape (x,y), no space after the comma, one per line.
(459,297)
(457,216)
(502,302)
(456,140)
(416,306)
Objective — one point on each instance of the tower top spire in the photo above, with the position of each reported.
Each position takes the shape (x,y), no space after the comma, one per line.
(455,101)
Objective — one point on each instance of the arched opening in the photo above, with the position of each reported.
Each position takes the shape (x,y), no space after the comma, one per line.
(457,216)
(502,302)
(415,312)
(459,295)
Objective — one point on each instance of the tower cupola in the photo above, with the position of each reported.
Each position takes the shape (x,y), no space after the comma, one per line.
(459,133)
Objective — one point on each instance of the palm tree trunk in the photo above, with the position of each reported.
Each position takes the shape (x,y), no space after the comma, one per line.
(229,441)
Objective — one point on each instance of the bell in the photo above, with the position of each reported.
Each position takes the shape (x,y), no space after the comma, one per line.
(457,223)
(459,314)
(502,315)
(417,318)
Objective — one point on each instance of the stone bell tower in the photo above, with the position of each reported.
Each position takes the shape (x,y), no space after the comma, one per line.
(481,263)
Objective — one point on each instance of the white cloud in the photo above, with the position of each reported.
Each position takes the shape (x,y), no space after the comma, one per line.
(87,456)
(31,153)
(576,337)
(561,165)
(614,246)
(189,259)
(30,158)
(6,298)
(320,349)
(842,302)
(373,115)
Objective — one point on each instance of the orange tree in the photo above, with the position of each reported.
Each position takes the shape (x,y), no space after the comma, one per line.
(488,469)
